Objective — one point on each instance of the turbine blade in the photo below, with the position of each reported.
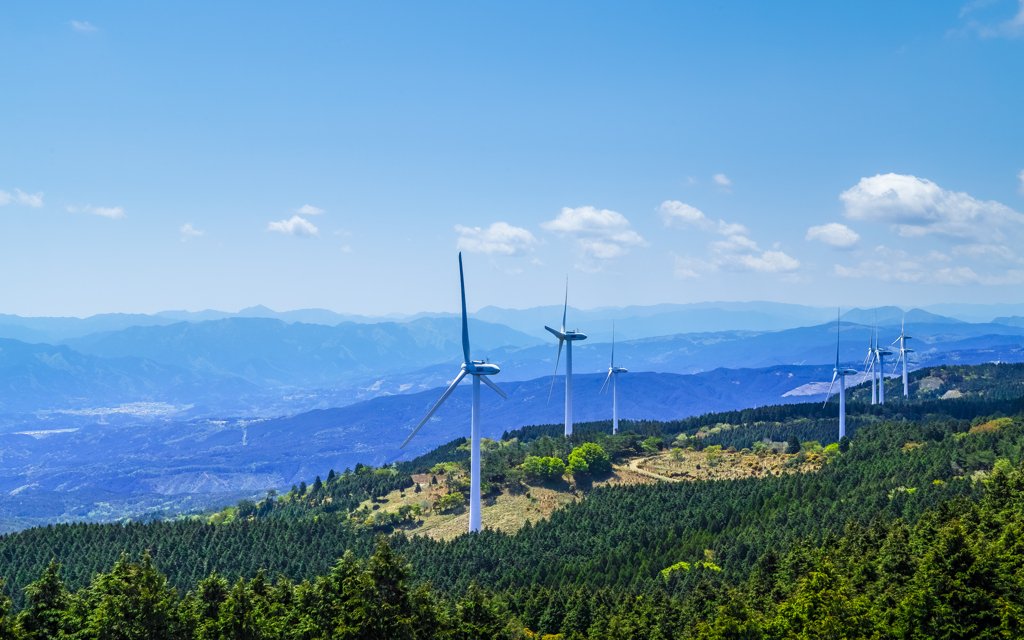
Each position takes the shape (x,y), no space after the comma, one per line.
(605,381)
(465,321)
(897,363)
(560,342)
(838,328)
(490,384)
(613,343)
(555,332)
(829,394)
(566,307)
(458,379)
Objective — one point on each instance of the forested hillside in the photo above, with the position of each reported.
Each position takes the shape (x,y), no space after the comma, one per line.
(909,530)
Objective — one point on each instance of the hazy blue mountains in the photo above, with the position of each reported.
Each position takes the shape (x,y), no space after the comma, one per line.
(274,353)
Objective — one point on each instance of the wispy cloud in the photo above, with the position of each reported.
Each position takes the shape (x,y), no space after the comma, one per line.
(106,212)
(296,226)
(308,210)
(188,231)
(736,252)
(917,207)
(20,197)
(721,180)
(835,234)
(894,265)
(1011,27)
(599,233)
(499,238)
(675,213)
(1020,176)
(82,26)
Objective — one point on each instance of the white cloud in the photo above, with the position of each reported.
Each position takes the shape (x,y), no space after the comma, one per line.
(893,265)
(30,199)
(986,251)
(599,233)
(721,180)
(674,212)
(1007,29)
(346,249)
(188,231)
(297,226)
(739,253)
(82,26)
(835,234)
(736,253)
(106,212)
(1021,177)
(309,210)
(500,237)
(917,207)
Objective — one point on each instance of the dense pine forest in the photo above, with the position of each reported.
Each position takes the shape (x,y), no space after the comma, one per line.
(911,529)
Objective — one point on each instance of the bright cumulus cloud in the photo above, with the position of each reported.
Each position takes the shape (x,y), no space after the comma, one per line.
(917,207)
(309,210)
(499,238)
(835,234)
(600,233)
(297,226)
(106,212)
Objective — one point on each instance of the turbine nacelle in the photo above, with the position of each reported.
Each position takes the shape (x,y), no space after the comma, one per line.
(480,368)
(845,372)
(566,335)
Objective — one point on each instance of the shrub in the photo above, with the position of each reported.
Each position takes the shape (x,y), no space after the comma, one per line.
(651,444)
(589,458)
(449,501)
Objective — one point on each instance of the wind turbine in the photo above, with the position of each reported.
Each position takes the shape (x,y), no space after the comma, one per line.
(869,363)
(570,337)
(841,373)
(613,375)
(880,353)
(903,355)
(479,369)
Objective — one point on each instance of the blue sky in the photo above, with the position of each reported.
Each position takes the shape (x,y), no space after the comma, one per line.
(185,156)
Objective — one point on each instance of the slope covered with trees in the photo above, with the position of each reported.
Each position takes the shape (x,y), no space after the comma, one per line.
(912,528)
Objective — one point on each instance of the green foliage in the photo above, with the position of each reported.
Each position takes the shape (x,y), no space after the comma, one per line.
(450,501)
(793,445)
(589,458)
(547,468)
(652,444)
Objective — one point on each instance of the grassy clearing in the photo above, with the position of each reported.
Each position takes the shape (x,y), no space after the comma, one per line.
(512,507)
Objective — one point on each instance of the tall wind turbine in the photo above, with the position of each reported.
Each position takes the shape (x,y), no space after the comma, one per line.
(479,370)
(869,364)
(613,375)
(880,353)
(565,336)
(903,355)
(841,373)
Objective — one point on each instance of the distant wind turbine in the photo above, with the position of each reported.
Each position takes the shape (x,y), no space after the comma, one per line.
(869,364)
(570,337)
(880,353)
(841,373)
(903,355)
(613,375)
(478,369)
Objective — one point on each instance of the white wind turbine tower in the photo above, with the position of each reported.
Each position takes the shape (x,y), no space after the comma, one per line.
(869,363)
(841,373)
(880,353)
(479,370)
(903,355)
(613,375)
(565,336)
